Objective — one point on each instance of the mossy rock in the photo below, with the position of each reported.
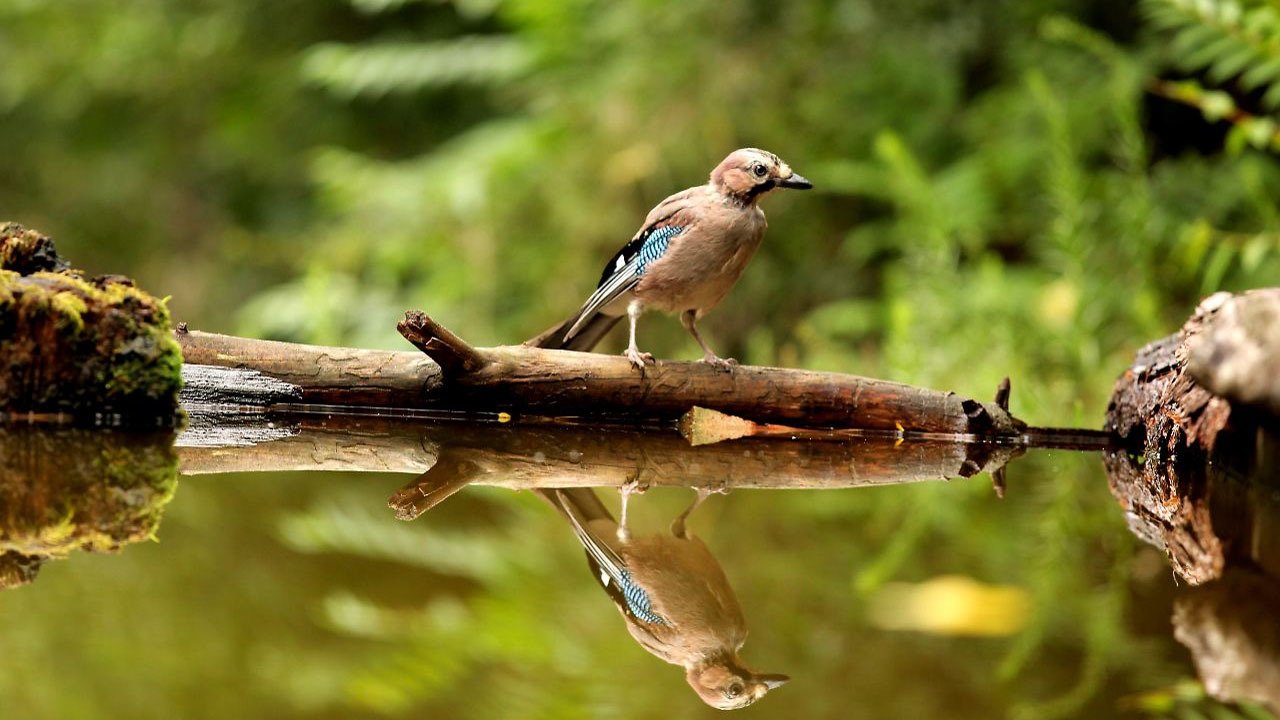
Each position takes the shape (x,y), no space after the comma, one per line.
(91,348)
(65,489)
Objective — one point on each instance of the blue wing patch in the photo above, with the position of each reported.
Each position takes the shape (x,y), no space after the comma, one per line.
(638,601)
(655,246)
(647,248)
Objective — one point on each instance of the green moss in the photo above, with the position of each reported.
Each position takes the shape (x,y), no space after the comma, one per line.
(7,277)
(86,347)
(69,309)
(27,251)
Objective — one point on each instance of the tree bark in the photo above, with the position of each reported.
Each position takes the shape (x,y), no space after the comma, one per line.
(1200,479)
(1197,466)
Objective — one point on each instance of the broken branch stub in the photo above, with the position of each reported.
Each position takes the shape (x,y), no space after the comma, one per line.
(450,352)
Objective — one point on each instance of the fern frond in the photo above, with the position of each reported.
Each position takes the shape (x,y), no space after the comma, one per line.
(382,69)
(1258,131)
(1226,39)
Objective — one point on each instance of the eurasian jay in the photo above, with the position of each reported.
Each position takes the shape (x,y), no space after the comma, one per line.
(691,250)
(673,596)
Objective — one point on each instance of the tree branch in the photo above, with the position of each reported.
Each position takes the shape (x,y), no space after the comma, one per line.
(453,376)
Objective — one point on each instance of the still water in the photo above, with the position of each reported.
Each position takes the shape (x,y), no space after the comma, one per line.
(328,568)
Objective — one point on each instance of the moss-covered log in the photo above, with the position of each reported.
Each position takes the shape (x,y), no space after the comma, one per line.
(96,349)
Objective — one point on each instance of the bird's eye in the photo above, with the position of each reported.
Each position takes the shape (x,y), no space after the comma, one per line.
(759,170)
(734,691)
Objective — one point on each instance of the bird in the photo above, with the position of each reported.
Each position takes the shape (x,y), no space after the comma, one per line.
(673,596)
(686,257)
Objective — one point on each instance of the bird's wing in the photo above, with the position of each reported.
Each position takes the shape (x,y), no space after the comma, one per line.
(670,218)
(585,515)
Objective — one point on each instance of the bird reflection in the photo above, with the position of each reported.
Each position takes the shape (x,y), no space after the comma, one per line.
(673,595)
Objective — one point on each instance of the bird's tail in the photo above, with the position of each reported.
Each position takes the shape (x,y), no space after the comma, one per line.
(589,335)
(581,504)
(592,523)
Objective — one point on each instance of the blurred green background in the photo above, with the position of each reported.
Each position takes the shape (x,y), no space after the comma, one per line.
(1023,188)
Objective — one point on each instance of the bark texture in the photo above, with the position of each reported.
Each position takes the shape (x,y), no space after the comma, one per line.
(1186,445)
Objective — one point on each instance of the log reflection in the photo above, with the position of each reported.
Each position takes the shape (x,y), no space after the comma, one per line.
(1217,517)
(549,456)
(63,490)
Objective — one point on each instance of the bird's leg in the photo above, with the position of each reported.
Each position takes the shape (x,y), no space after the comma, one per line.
(626,490)
(637,358)
(689,319)
(678,525)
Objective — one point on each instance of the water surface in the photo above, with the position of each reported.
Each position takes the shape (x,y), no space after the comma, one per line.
(280,587)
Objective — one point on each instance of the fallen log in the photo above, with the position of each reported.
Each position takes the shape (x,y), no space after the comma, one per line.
(452,376)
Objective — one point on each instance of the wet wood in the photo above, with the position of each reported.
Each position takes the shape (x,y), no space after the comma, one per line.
(526,380)
(208,385)
(1199,478)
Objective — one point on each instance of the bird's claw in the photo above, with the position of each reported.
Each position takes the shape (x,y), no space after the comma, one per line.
(632,486)
(639,359)
(719,363)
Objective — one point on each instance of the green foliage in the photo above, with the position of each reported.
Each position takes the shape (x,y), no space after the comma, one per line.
(1226,38)
(408,67)
(1231,42)
(995,196)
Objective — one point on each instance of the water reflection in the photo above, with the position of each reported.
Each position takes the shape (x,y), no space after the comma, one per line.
(674,598)
(1219,530)
(1218,520)
(63,490)
(456,454)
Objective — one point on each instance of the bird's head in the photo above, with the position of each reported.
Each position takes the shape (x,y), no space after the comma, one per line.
(747,174)
(728,686)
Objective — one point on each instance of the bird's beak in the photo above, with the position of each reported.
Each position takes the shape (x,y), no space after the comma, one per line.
(774,681)
(795,182)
